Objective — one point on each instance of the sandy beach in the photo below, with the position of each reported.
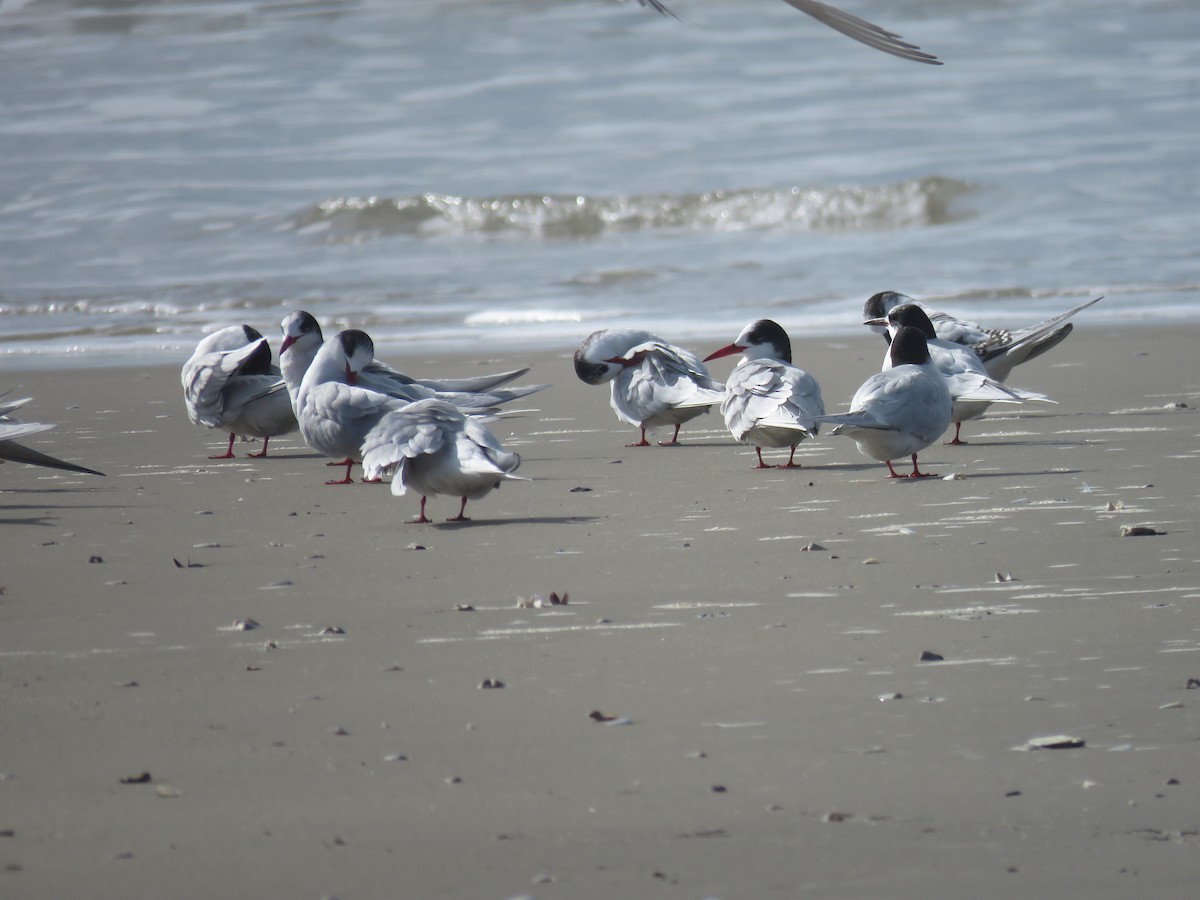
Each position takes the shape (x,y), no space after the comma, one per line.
(752,642)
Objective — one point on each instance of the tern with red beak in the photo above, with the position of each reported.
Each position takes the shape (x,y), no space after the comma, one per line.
(653,383)
(302,338)
(768,401)
(334,412)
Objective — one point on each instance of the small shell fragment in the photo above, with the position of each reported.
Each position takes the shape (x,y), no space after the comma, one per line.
(596,716)
(811,547)
(870,561)
(333,629)
(245,625)
(490,684)
(1004,577)
(930,656)
(537,601)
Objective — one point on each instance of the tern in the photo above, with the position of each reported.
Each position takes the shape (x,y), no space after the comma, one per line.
(334,413)
(1000,349)
(768,401)
(971,389)
(434,448)
(302,338)
(900,411)
(652,383)
(229,384)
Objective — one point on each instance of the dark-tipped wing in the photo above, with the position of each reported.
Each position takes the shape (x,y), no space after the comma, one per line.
(848,24)
(863,31)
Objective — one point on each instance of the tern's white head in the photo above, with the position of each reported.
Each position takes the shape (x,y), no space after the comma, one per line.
(302,331)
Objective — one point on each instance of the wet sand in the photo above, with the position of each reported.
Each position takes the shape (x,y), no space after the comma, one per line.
(754,638)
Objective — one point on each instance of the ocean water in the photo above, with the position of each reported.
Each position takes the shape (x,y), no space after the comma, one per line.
(468,175)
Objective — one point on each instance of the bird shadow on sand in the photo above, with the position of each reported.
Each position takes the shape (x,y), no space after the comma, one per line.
(1038,473)
(1016,442)
(47,514)
(42,520)
(515,520)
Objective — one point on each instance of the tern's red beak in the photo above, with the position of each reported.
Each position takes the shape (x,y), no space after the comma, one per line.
(288,340)
(725,351)
(627,363)
(351,375)
(882,322)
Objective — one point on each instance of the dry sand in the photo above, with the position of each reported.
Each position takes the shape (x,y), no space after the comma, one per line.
(776,732)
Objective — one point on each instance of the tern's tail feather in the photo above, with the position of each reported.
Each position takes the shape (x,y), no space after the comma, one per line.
(704,397)
(976,388)
(847,422)
(1028,343)
(1000,363)
(478,384)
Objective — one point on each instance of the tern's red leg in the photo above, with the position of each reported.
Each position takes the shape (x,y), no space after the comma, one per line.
(642,443)
(761,464)
(263,452)
(673,442)
(340,462)
(917,473)
(228,454)
(891,471)
(461,510)
(420,519)
(956,442)
(347,480)
(790,464)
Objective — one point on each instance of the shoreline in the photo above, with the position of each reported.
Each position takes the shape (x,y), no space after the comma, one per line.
(426,352)
(773,729)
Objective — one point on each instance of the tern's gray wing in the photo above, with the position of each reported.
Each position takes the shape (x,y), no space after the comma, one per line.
(863,31)
(10,431)
(850,25)
(204,377)
(658,8)
(7,406)
(475,384)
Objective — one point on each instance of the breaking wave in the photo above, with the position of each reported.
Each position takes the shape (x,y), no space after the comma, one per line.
(913,203)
